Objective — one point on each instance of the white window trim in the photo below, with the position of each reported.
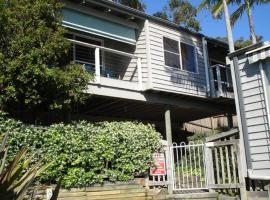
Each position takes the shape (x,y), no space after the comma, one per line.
(180,54)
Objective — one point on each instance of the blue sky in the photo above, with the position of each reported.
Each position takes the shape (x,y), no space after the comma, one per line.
(214,28)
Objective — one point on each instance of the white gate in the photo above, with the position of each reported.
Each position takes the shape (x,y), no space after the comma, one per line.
(188,166)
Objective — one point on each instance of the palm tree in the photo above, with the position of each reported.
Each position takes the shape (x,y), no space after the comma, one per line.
(247,6)
(216,7)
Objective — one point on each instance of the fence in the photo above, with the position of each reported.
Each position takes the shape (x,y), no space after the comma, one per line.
(223,163)
(188,166)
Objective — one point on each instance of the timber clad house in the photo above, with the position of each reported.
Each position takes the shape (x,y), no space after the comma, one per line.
(144,66)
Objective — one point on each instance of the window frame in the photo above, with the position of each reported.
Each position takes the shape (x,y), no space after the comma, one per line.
(180,54)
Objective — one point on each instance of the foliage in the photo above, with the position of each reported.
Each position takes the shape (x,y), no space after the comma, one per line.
(35,73)
(136,4)
(247,6)
(87,153)
(216,7)
(18,175)
(197,137)
(180,12)
(241,42)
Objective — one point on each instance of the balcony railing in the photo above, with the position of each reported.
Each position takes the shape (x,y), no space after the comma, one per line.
(221,82)
(111,64)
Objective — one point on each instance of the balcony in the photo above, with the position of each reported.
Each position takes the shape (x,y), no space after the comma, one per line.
(112,68)
(221,81)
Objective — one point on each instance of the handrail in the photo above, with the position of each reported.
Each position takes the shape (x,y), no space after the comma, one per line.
(220,65)
(103,48)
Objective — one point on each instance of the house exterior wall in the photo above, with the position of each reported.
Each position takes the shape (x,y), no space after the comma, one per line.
(149,48)
(172,79)
(254,117)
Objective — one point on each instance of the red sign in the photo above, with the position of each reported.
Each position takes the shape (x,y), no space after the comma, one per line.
(159,165)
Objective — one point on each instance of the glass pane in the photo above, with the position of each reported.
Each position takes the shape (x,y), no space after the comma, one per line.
(171,45)
(188,57)
(172,60)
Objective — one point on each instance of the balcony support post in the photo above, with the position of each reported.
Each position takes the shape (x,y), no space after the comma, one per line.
(219,81)
(169,164)
(97,65)
(139,66)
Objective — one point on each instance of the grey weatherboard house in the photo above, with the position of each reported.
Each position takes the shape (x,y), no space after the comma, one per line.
(149,70)
(251,67)
(145,66)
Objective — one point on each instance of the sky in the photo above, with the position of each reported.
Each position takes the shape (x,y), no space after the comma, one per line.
(215,28)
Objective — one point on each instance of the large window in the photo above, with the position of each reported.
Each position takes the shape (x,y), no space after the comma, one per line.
(181,56)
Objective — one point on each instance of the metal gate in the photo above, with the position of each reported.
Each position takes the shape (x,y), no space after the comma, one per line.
(188,166)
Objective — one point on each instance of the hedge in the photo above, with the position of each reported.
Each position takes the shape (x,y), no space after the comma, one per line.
(84,153)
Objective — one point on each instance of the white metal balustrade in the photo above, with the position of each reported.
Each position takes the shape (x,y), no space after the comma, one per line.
(110,64)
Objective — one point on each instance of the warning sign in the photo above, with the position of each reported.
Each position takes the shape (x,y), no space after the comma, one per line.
(159,164)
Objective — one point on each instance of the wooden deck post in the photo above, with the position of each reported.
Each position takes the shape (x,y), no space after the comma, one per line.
(168,152)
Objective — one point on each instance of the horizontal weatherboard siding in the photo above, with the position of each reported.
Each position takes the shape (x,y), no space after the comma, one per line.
(255,116)
(170,79)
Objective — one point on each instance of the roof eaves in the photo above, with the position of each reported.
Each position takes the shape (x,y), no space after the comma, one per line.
(141,15)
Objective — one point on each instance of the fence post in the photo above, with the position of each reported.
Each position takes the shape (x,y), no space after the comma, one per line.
(209,166)
(97,65)
(243,191)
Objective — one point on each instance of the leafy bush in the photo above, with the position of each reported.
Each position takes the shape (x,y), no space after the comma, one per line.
(85,153)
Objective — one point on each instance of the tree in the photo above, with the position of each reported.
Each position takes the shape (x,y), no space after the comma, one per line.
(162,14)
(247,6)
(136,4)
(35,74)
(241,42)
(216,7)
(180,12)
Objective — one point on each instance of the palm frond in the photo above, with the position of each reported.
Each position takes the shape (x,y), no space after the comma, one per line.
(238,13)
(204,4)
(217,8)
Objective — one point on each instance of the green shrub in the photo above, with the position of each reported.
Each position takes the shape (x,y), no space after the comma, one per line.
(86,153)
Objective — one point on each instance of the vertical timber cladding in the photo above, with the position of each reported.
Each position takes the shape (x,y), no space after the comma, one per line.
(253,64)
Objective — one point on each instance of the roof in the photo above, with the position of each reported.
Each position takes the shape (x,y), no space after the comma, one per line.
(142,15)
(252,49)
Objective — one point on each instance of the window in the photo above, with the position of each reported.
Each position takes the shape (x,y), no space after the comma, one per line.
(171,53)
(188,58)
(184,59)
